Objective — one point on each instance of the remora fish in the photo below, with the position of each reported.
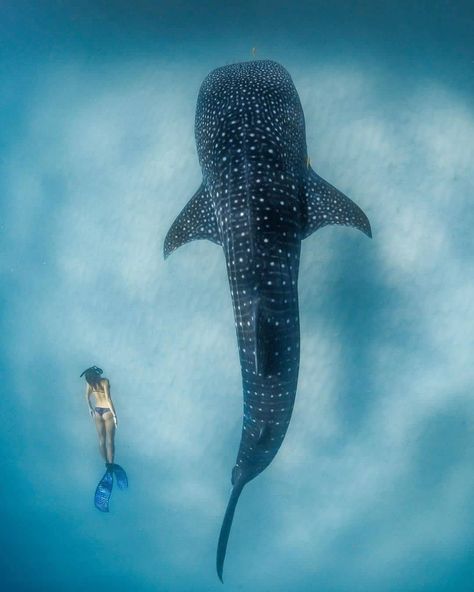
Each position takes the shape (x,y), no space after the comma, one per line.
(259,198)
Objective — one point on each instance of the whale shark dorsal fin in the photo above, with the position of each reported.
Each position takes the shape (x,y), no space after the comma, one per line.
(196,221)
(263,433)
(266,340)
(323,204)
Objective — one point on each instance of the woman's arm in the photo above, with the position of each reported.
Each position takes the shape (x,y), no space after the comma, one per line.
(88,399)
(109,399)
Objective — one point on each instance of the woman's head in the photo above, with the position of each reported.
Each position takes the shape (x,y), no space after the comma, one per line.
(93,375)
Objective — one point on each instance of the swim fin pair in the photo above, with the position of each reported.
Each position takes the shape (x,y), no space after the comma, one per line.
(104,488)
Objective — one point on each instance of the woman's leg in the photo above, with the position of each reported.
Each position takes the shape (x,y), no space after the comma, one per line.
(100,426)
(109,436)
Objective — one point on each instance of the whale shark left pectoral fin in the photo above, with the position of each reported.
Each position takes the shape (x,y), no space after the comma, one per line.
(196,221)
(323,204)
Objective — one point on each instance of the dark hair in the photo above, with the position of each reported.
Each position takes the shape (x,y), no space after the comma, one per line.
(93,375)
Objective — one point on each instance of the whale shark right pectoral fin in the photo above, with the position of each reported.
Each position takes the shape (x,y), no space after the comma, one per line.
(196,221)
(323,204)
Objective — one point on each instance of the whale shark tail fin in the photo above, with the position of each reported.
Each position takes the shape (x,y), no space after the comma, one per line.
(226,525)
(323,204)
(196,221)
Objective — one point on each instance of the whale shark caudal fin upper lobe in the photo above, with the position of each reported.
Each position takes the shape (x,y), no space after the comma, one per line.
(196,221)
(238,485)
(323,204)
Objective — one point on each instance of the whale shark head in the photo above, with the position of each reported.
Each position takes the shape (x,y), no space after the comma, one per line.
(248,104)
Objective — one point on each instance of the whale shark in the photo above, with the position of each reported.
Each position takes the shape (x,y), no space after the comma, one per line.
(258,200)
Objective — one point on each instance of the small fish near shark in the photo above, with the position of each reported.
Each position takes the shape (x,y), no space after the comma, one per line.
(259,199)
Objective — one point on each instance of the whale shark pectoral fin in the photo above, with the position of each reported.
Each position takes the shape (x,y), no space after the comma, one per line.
(196,221)
(323,204)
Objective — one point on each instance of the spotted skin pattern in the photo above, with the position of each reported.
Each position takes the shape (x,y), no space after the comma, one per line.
(259,198)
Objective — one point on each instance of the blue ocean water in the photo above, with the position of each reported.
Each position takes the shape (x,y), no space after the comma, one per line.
(373,488)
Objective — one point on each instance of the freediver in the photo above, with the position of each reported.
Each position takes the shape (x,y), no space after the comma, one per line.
(105,419)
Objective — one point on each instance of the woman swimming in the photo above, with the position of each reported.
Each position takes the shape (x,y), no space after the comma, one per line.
(106,422)
(104,411)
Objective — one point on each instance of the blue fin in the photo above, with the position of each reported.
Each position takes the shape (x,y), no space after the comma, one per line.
(104,491)
(323,204)
(196,221)
(121,476)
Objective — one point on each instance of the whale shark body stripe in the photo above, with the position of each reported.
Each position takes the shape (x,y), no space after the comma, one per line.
(196,221)
(259,200)
(323,204)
